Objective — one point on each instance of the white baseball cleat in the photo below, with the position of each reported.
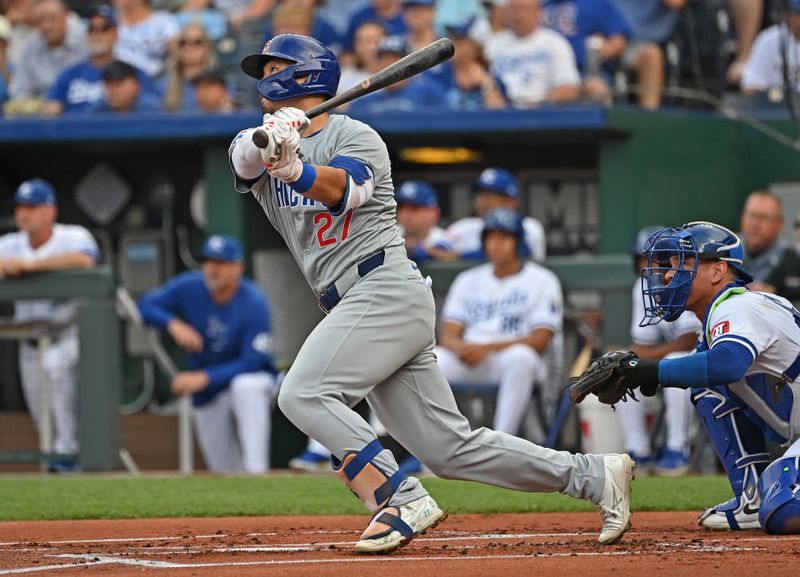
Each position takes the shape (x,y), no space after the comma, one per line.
(615,504)
(395,527)
(735,514)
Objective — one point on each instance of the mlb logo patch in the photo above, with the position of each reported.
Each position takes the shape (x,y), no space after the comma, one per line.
(720,329)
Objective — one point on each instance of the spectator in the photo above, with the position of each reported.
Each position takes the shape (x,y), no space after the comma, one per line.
(319,27)
(746,16)
(765,67)
(502,322)
(43,245)
(468,83)
(762,223)
(60,42)
(237,12)
(494,188)
(212,94)
(418,16)
(453,12)
(415,93)
(784,279)
(145,35)
(652,22)
(288,19)
(536,64)
(222,320)
(417,215)
(388,13)
(585,22)
(661,341)
(123,91)
(194,54)
(365,63)
(23,28)
(80,86)
(5,35)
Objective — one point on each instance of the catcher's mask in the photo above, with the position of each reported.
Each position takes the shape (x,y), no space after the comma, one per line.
(671,249)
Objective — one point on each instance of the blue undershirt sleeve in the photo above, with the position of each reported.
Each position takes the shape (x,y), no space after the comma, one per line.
(724,364)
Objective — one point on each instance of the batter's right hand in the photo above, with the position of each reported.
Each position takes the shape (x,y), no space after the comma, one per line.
(185,335)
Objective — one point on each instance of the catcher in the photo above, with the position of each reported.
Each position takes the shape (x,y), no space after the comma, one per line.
(744,377)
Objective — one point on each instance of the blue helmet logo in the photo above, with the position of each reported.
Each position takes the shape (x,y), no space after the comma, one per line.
(314,68)
(678,251)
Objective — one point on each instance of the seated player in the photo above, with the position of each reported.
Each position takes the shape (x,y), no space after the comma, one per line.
(743,376)
(494,188)
(222,320)
(502,322)
(664,340)
(417,214)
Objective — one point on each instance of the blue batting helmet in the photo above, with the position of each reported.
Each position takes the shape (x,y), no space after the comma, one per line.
(779,489)
(498,181)
(509,221)
(697,240)
(311,59)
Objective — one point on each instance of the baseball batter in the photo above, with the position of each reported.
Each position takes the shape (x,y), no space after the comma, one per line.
(42,245)
(329,194)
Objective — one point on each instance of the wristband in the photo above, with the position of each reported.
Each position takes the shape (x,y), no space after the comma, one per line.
(306,180)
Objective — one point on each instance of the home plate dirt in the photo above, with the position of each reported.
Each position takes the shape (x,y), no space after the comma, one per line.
(668,544)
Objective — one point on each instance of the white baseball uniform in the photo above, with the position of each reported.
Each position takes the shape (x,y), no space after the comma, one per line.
(465,236)
(677,401)
(764,68)
(58,364)
(493,309)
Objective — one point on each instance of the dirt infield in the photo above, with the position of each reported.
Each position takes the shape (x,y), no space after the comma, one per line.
(666,544)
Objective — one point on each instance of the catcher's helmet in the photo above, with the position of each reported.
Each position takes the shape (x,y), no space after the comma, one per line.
(779,489)
(697,240)
(311,59)
(506,220)
(498,181)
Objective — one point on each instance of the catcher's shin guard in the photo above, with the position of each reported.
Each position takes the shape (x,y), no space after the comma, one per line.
(740,445)
(391,527)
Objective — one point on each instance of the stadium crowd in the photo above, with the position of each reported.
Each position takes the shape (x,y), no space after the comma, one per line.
(76,56)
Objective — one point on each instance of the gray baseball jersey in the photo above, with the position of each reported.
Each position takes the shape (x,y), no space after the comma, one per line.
(322,244)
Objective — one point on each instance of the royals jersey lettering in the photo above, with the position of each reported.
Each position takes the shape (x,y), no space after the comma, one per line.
(325,245)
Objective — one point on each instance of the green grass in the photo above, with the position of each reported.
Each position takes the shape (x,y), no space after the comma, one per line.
(102,497)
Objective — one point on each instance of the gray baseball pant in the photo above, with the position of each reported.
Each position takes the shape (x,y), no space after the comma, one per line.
(378,343)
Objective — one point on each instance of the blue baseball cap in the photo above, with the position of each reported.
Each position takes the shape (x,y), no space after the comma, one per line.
(498,181)
(35,192)
(461,29)
(796,5)
(418,193)
(393,45)
(223,248)
(407,3)
(105,12)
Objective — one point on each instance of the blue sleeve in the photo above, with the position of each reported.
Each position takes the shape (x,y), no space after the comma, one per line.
(614,22)
(162,304)
(254,347)
(58,91)
(724,364)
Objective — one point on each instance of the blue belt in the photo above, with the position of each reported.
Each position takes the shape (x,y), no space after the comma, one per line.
(332,295)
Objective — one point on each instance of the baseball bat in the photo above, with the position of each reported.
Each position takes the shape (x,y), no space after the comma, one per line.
(408,66)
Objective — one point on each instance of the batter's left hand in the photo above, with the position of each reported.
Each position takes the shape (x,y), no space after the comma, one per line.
(189,382)
(296,118)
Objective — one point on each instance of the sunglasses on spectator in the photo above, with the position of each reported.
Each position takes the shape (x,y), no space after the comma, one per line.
(101,28)
(191,42)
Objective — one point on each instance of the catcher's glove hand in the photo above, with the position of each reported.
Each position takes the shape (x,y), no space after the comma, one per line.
(605,378)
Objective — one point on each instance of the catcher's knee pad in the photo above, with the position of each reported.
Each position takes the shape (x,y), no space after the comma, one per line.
(738,442)
(779,488)
(365,479)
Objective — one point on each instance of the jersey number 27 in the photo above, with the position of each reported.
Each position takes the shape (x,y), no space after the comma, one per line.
(324,220)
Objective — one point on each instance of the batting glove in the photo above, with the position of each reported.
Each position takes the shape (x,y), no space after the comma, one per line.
(276,131)
(288,167)
(295,117)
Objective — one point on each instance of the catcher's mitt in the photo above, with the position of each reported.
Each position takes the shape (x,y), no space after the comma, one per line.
(604,378)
